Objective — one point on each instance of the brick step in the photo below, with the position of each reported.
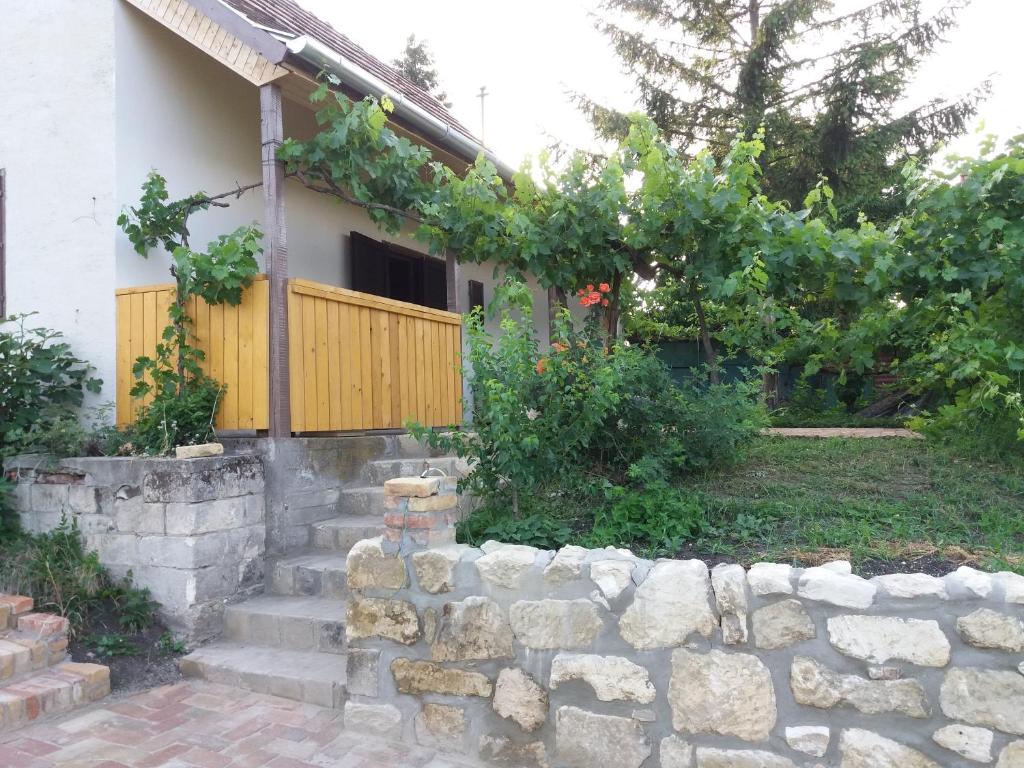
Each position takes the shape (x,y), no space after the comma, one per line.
(62,688)
(376,472)
(316,573)
(39,642)
(296,623)
(11,607)
(340,533)
(314,678)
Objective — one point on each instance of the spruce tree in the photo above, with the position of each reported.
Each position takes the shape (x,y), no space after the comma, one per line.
(417,64)
(827,80)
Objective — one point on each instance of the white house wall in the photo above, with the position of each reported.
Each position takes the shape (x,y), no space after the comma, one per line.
(57,144)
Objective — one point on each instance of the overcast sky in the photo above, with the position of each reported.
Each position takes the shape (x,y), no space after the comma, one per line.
(531,53)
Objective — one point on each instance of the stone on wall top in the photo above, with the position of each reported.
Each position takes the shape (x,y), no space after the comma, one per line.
(412,487)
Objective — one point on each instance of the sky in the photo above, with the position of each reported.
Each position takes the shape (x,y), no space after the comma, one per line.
(532,54)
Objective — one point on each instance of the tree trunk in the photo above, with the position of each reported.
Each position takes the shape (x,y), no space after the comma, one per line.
(705,339)
(557,301)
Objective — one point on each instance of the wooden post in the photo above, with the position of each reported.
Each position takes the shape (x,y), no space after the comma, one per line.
(276,256)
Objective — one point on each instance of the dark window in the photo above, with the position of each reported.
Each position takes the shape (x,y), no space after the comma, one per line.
(476,295)
(3,242)
(386,269)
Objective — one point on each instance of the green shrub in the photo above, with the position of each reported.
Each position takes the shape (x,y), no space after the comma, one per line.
(175,418)
(41,382)
(657,518)
(10,523)
(552,432)
(62,577)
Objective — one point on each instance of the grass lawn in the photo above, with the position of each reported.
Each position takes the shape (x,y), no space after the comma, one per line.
(886,504)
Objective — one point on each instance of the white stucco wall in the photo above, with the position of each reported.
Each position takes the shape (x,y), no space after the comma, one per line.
(57,140)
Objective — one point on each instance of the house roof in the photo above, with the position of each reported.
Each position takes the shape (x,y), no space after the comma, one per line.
(290,17)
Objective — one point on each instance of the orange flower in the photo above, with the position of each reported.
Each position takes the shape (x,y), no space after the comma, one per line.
(604,287)
(595,297)
(542,365)
(559,346)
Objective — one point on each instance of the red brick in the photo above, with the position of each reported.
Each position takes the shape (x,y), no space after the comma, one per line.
(19,603)
(163,756)
(43,624)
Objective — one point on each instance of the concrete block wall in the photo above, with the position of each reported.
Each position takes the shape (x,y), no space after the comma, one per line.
(596,657)
(191,531)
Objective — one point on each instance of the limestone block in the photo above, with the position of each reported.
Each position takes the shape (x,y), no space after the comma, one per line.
(505,567)
(555,624)
(441,726)
(613,678)
(986,697)
(220,477)
(519,698)
(418,677)
(187,518)
(368,566)
(880,638)
(475,628)
(435,568)
(198,451)
(910,585)
(612,576)
(362,676)
(377,617)
(133,515)
(810,739)
(566,564)
(1012,755)
(1013,586)
(438,503)
(376,719)
(770,579)
(675,753)
(842,589)
(729,582)
(990,629)
(586,739)
(864,749)
(972,582)
(420,487)
(816,686)
(501,750)
(672,603)
(726,693)
(782,624)
(708,757)
(966,740)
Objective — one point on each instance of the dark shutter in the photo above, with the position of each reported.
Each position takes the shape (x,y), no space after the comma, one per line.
(476,295)
(369,265)
(3,242)
(435,284)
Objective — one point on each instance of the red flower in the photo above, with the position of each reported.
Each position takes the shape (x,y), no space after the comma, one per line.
(595,297)
(604,302)
(604,287)
(590,287)
(580,292)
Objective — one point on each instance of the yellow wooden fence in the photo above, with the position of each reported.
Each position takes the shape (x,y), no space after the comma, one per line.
(359,361)
(234,340)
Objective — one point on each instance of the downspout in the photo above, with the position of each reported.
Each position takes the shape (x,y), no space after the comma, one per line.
(319,55)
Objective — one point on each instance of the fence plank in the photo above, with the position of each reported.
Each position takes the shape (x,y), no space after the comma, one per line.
(232,339)
(361,362)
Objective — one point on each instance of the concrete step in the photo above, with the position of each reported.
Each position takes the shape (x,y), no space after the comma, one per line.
(365,501)
(287,621)
(39,642)
(51,691)
(376,472)
(315,678)
(317,573)
(340,533)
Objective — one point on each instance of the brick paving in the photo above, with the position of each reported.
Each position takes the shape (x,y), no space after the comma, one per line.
(195,724)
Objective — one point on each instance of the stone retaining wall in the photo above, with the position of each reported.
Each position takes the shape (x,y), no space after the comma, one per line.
(599,658)
(190,530)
